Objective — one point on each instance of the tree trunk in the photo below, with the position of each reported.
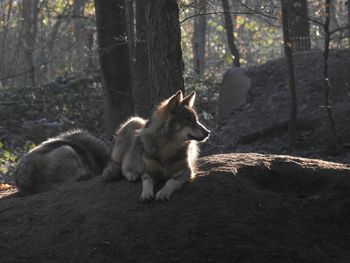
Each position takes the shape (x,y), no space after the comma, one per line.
(3,64)
(292,131)
(165,55)
(114,62)
(79,34)
(129,10)
(53,37)
(229,33)
(142,91)
(348,3)
(333,22)
(199,38)
(299,29)
(30,12)
(333,140)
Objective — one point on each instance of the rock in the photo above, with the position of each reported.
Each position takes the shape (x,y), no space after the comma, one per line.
(233,91)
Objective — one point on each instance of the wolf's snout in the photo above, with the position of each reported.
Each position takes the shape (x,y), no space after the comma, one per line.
(206,133)
(200,134)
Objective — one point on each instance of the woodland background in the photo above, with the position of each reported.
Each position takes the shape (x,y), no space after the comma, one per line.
(91,64)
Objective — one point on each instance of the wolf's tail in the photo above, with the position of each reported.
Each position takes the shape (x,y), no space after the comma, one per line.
(93,153)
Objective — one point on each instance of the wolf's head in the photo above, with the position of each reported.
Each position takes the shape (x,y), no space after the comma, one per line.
(178,119)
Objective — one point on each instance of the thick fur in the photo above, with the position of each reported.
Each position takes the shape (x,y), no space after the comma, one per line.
(161,149)
(71,156)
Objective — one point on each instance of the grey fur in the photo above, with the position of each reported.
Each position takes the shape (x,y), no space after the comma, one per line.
(71,156)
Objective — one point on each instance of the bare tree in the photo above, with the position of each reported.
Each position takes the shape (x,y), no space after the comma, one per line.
(79,32)
(333,140)
(130,17)
(229,33)
(333,23)
(348,5)
(292,131)
(30,11)
(114,62)
(52,38)
(164,47)
(6,19)
(142,89)
(299,29)
(199,38)
(129,8)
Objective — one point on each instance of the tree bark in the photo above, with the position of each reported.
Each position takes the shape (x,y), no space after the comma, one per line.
(129,8)
(142,91)
(333,23)
(79,34)
(53,37)
(164,47)
(333,138)
(7,16)
(348,7)
(114,62)
(130,24)
(229,33)
(199,38)
(292,131)
(30,11)
(299,25)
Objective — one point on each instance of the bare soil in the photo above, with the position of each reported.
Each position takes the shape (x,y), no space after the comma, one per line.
(241,208)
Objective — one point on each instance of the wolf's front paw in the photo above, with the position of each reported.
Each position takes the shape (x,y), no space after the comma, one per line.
(132,176)
(146,196)
(164,194)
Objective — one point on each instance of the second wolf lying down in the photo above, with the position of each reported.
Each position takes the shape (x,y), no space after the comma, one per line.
(163,148)
(71,156)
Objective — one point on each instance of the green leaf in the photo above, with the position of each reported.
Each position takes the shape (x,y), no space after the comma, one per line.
(7,154)
(228,58)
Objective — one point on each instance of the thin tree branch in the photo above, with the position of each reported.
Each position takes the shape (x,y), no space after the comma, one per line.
(256,11)
(232,13)
(319,23)
(339,29)
(39,65)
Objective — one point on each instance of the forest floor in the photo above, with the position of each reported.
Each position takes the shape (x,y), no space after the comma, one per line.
(240,208)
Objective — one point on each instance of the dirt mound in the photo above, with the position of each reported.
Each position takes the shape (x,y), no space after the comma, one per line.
(261,125)
(241,208)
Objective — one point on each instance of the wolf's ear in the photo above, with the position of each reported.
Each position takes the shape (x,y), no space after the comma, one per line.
(175,101)
(189,99)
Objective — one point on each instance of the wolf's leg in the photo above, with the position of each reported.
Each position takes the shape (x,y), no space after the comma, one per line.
(172,185)
(112,171)
(131,175)
(147,188)
(132,166)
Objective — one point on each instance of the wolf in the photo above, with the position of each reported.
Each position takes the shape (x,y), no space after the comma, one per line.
(161,149)
(71,156)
